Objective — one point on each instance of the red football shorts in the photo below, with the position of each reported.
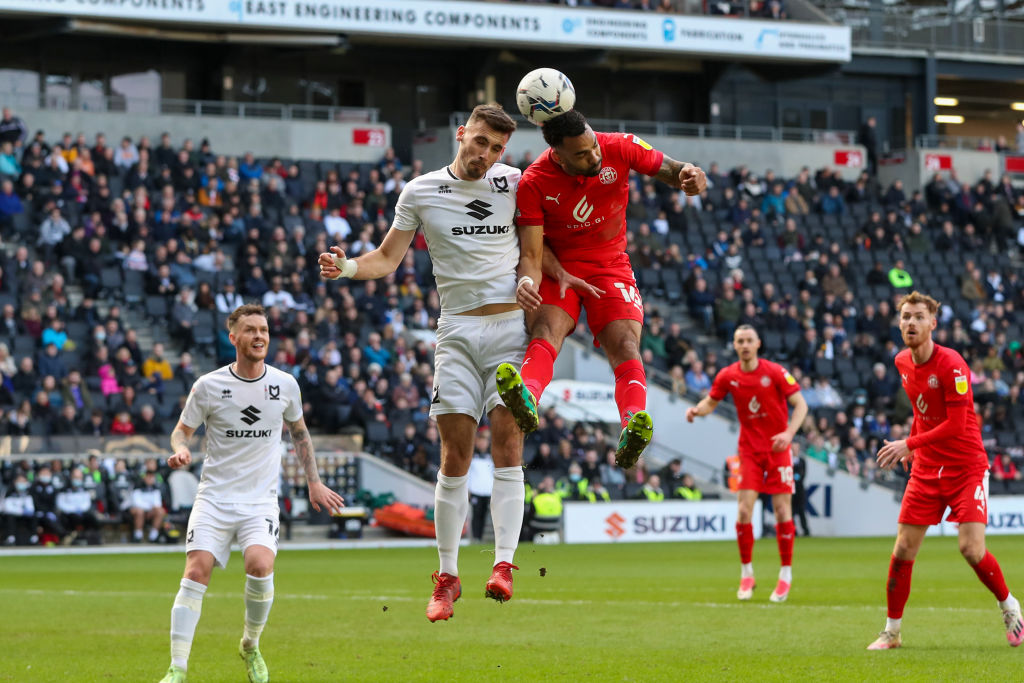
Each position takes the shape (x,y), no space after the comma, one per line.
(931,489)
(769,472)
(621,300)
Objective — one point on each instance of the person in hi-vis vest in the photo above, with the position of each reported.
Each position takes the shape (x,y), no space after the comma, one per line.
(732,472)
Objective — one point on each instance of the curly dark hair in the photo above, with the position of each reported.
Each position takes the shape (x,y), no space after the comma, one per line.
(568,125)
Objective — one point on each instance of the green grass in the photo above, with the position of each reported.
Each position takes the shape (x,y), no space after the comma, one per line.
(631,612)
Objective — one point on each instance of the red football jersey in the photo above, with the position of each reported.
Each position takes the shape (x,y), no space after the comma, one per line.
(761,401)
(584,218)
(941,382)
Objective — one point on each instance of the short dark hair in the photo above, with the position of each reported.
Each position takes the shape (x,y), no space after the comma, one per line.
(494,117)
(244,310)
(568,125)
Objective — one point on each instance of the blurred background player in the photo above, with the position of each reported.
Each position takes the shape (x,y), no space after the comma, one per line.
(243,406)
(575,194)
(950,468)
(475,254)
(760,390)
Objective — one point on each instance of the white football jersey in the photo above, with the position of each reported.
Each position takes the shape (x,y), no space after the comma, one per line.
(244,418)
(470,230)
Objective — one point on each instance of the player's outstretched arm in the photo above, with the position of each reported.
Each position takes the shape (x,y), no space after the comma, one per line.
(531,258)
(683,176)
(780,442)
(382,261)
(566,280)
(706,406)
(180,438)
(318,493)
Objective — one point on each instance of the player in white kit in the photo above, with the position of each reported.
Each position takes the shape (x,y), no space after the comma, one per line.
(466,211)
(243,406)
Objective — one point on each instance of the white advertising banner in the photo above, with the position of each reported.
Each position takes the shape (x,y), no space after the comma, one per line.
(640,521)
(553,27)
(1005,518)
(588,401)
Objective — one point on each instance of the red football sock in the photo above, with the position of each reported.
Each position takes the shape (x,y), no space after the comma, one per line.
(538,366)
(784,533)
(898,589)
(992,576)
(745,539)
(630,388)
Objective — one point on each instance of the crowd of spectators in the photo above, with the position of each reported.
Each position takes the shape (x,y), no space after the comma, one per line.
(817,265)
(67,502)
(96,234)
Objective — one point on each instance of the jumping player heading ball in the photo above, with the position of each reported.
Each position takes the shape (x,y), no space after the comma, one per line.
(575,193)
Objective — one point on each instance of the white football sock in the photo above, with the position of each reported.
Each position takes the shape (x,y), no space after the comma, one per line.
(1010,603)
(259,596)
(893,625)
(747,570)
(451,506)
(507,501)
(188,604)
(786,574)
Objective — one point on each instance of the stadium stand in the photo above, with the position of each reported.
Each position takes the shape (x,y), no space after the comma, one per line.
(121,263)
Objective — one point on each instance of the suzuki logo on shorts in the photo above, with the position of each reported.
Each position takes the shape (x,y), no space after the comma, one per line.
(754,405)
(921,405)
(250,415)
(478,209)
(616,525)
(583,210)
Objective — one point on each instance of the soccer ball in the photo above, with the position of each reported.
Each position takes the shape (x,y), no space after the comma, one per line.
(544,94)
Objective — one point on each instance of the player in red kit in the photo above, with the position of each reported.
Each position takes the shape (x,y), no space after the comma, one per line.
(950,468)
(762,392)
(576,193)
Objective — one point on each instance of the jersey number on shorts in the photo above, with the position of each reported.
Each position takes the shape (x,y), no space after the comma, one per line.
(630,295)
(272,529)
(979,494)
(786,475)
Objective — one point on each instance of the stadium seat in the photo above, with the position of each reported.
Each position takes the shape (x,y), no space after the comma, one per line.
(156,308)
(112,282)
(134,287)
(23,345)
(377,433)
(823,367)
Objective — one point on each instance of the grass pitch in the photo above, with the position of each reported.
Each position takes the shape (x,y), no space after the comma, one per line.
(631,612)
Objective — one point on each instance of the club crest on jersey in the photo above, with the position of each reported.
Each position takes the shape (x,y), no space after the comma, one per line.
(933,382)
(273,392)
(960,381)
(765,381)
(498,184)
(608,175)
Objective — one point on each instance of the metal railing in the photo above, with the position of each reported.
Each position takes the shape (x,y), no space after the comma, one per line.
(916,27)
(965,142)
(707,130)
(137,105)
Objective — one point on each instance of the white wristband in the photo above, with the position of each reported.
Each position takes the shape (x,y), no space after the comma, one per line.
(347,266)
(524,280)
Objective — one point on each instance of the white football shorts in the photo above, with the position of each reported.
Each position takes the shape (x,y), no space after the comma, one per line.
(469,350)
(214,526)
